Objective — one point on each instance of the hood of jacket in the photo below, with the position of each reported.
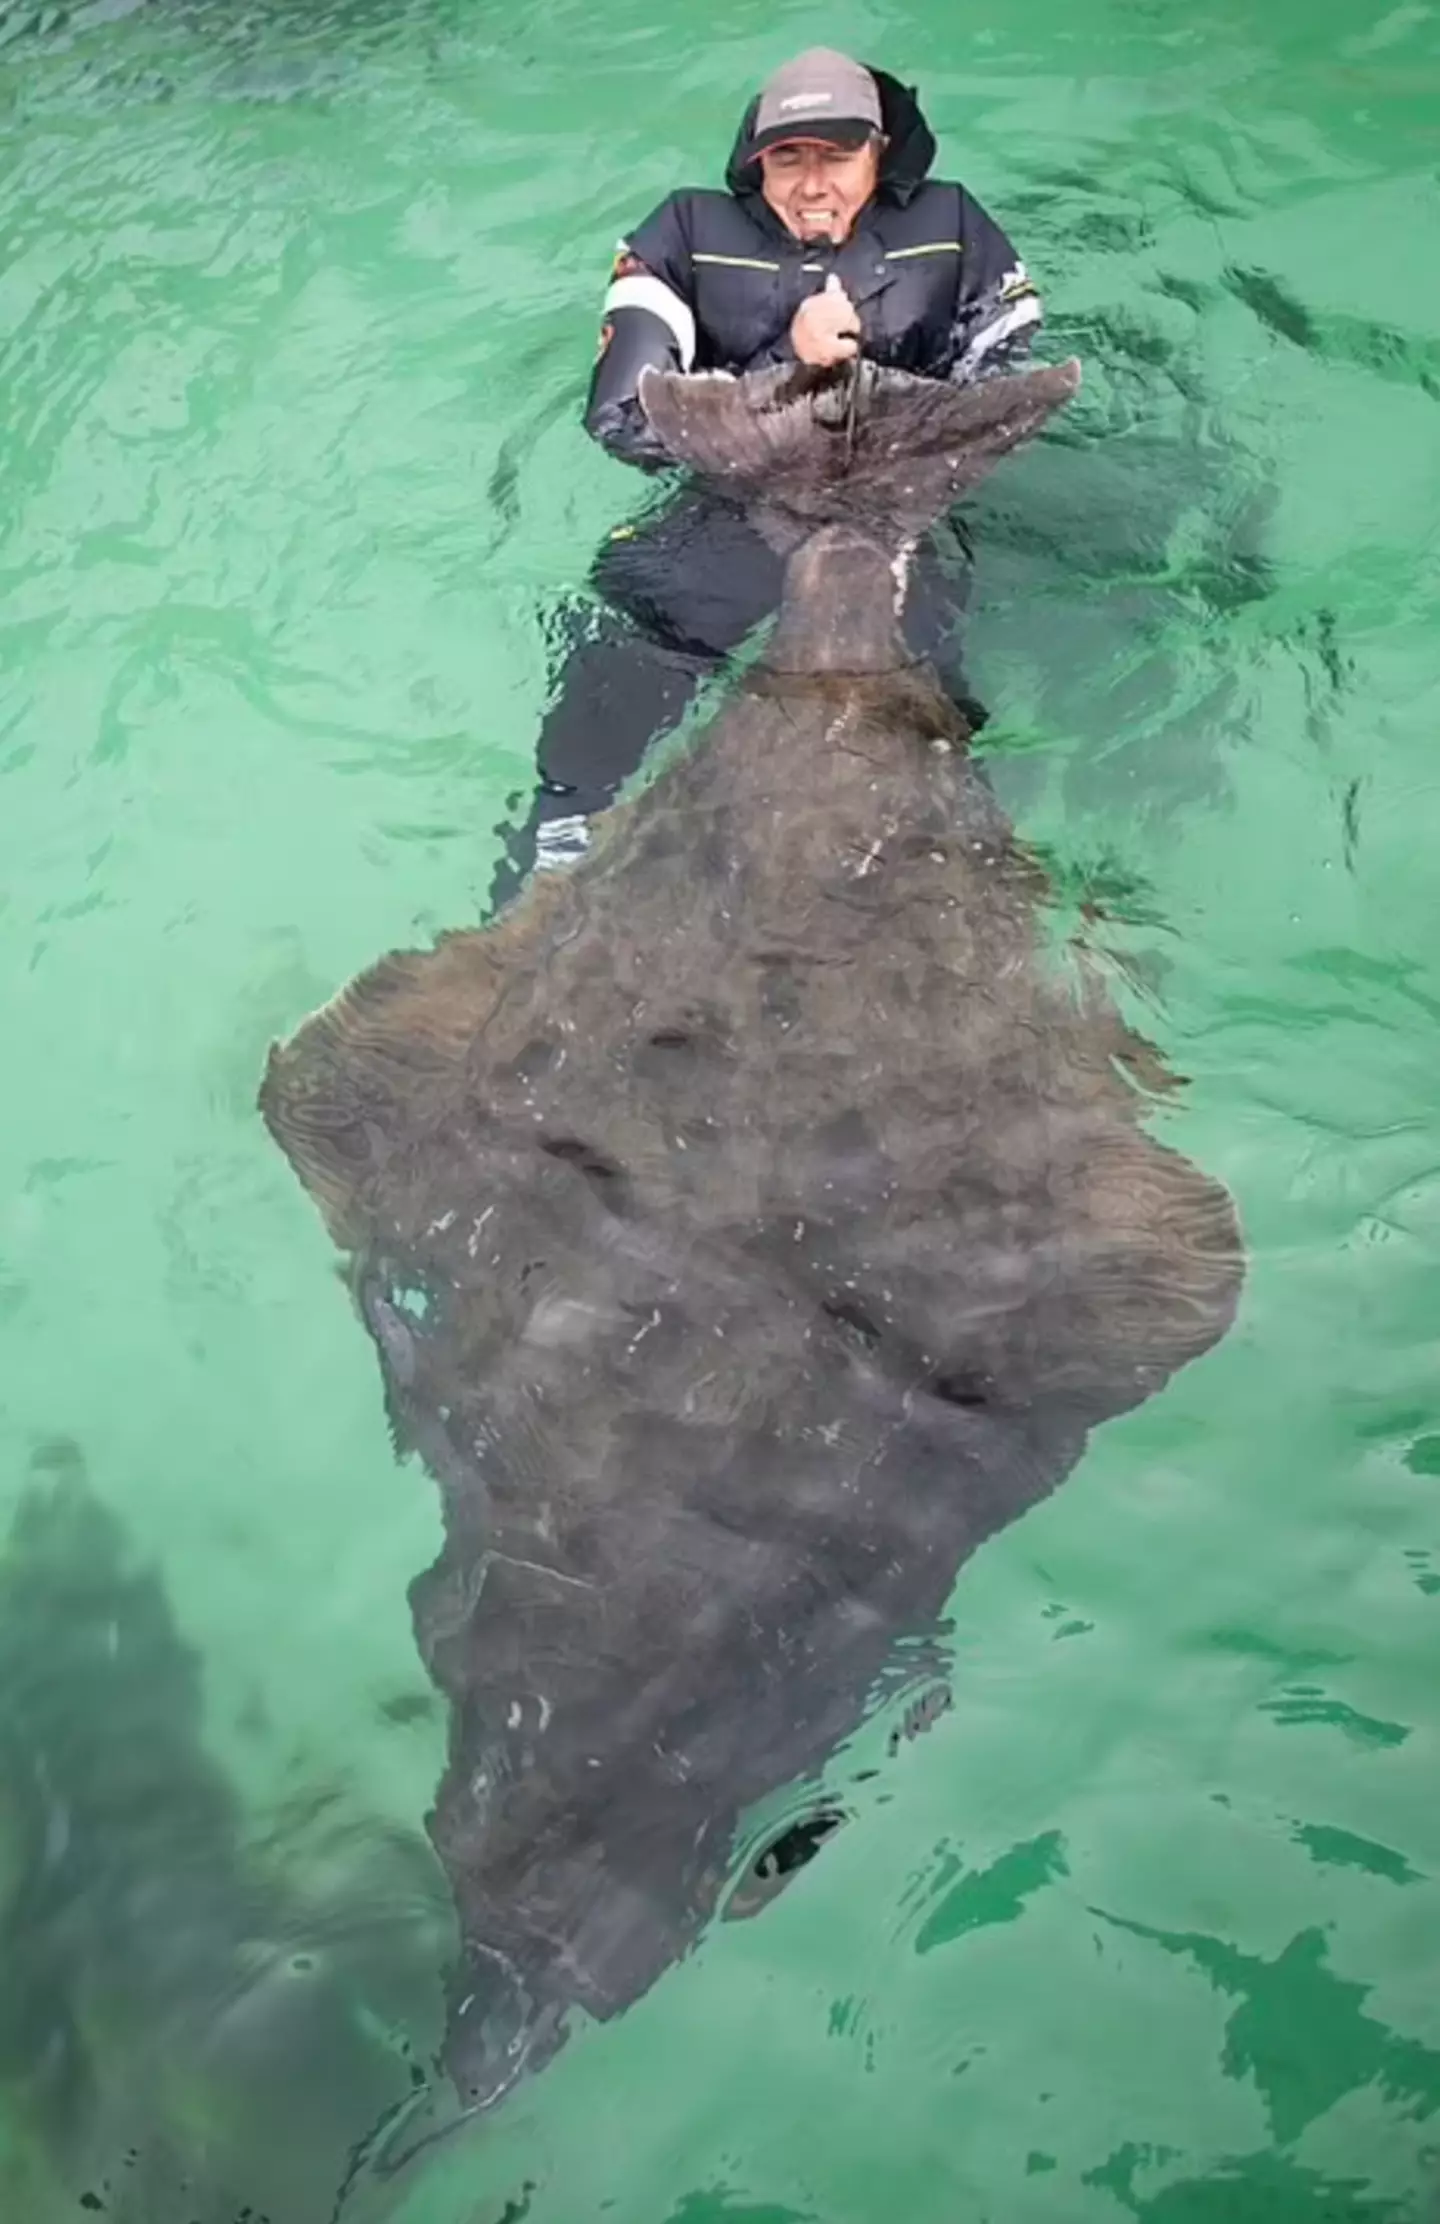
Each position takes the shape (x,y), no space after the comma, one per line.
(904,165)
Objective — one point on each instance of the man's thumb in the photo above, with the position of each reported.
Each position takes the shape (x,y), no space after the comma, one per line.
(833,285)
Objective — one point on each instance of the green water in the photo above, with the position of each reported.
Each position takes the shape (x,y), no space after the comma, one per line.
(296,311)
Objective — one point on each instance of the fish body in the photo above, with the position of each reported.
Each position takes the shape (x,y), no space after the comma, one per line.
(751,1221)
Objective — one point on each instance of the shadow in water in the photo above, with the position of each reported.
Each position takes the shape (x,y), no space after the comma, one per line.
(188,2035)
(1126,589)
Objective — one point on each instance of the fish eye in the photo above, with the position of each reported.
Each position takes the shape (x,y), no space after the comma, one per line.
(770,1869)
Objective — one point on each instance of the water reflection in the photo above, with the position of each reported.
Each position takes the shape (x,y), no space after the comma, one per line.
(1300,2033)
(1249,2189)
(961,1901)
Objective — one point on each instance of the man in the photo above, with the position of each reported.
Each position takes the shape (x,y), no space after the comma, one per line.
(831,239)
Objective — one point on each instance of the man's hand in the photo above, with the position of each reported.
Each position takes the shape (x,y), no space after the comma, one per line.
(825,329)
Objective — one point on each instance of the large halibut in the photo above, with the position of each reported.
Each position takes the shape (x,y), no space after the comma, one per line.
(750,1222)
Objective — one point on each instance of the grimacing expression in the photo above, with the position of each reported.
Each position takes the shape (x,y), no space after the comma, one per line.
(817,190)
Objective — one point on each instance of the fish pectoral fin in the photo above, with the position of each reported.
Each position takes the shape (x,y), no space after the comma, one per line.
(388,1049)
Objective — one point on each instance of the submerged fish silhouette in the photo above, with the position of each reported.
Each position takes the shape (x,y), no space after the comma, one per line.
(184,2038)
(750,1222)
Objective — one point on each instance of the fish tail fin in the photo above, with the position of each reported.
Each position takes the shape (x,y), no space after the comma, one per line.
(887,456)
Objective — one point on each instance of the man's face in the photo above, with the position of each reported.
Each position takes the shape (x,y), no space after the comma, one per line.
(817,191)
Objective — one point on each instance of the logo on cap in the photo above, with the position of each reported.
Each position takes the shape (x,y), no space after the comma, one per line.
(808,100)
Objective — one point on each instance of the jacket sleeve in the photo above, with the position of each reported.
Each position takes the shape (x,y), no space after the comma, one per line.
(648,317)
(997,309)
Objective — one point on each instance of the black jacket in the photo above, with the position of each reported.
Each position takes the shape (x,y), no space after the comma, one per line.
(710,281)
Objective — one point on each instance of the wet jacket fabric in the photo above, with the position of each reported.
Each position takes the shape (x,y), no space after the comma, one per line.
(710,281)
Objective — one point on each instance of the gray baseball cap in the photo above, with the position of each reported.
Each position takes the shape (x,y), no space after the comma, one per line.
(820,95)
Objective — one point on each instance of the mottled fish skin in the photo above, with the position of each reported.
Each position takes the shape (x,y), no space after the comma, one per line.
(786,1215)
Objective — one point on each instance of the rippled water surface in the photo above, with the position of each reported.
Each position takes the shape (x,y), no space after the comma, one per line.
(296,311)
